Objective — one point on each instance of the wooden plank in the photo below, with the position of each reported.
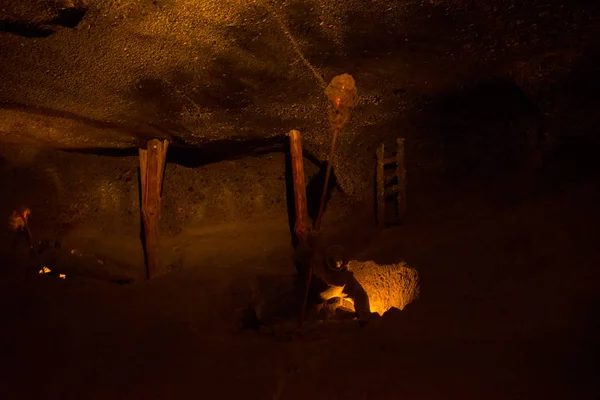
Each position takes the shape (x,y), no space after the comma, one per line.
(301,226)
(390,160)
(401,174)
(380,187)
(152,163)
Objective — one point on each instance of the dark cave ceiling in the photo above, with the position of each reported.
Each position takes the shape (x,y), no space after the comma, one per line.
(83,74)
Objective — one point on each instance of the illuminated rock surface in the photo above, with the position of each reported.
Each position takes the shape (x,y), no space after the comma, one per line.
(112,74)
(387,286)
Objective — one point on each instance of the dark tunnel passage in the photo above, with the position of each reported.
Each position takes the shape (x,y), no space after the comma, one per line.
(484,129)
(68,17)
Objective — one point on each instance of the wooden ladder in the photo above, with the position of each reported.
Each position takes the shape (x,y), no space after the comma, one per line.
(391,179)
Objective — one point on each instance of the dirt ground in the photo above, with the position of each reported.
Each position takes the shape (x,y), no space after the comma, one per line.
(508,310)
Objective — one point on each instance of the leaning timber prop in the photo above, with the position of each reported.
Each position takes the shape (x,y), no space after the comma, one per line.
(152,166)
(301,223)
(343,96)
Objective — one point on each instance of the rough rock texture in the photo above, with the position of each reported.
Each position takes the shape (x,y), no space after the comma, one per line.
(225,211)
(86,74)
(64,189)
(387,286)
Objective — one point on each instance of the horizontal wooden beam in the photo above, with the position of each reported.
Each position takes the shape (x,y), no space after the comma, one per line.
(389,160)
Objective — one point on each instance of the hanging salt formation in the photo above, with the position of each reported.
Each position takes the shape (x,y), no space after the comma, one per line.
(343,96)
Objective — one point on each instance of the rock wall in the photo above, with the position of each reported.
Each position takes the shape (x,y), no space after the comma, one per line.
(92,200)
(387,286)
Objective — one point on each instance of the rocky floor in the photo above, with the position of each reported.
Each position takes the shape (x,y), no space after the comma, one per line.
(508,310)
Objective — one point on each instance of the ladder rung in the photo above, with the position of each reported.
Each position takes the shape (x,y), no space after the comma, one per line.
(389,160)
(392,189)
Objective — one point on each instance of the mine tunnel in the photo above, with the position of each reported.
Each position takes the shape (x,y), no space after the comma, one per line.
(299,199)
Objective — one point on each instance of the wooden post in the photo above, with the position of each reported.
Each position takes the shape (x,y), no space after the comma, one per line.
(380,187)
(152,166)
(301,226)
(401,174)
(301,223)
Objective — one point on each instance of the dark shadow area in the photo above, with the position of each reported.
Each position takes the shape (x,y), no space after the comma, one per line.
(588,367)
(233,85)
(289,192)
(482,129)
(574,99)
(25,29)
(156,91)
(212,152)
(69,17)
(221,150)
(314,189)
(571,126)
(573,160)
(142,228)
(66,17)
(129,152)
(228,90)
(374,188)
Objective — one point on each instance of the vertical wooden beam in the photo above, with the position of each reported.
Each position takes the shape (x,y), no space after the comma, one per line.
(152,166)
(301,226)
(380,187)
(401,174)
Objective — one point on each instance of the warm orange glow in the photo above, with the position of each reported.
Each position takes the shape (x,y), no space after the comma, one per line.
(343,96)
(387,286)
(18,219)
(45,270)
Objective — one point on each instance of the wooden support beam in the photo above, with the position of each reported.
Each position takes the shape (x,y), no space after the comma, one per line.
(401,174)
(380,187)
(152,166)
(301,225)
